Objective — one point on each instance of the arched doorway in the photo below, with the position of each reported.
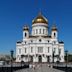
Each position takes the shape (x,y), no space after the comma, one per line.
(48,58)
(31,59)
(40,58)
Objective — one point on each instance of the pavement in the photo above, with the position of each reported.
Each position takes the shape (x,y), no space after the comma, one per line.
(40,68)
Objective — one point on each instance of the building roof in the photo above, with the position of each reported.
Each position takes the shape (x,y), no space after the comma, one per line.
(33,36)
(61,42)
(19,41)
(38,36)
(46,36)
(40,19)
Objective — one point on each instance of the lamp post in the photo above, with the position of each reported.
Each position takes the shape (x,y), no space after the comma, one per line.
(12,52)
(66,55)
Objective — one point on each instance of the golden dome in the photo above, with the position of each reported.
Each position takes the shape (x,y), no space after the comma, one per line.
(54,28)
(25,28)
(40,19)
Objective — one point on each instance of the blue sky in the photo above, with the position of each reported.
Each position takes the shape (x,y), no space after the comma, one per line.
(14,14)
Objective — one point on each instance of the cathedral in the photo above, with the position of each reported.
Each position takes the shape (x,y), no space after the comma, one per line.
(41,45)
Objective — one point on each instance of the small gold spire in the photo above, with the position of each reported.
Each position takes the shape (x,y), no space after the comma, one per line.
(40,13)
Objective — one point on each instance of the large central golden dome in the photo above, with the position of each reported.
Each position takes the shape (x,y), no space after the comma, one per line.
(40,19)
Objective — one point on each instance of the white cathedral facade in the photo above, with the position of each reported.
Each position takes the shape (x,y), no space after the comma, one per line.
(41,45)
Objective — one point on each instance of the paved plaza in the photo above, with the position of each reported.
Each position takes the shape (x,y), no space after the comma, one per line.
(40,68)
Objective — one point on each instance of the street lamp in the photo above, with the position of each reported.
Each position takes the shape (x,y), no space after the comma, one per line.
(12,52)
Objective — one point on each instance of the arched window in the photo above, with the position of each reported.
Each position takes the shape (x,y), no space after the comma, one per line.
(36,31)
(39,40)
(43,31)
(25,50)
(48,41)
(54,50)
(25,42)
(19,51)
(48,49)
(31,41)
(40,31)
(31,49)
(54,34)
(25,34)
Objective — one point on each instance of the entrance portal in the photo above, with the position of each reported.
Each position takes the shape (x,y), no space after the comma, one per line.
(48,58)
(31,59)
(40,58)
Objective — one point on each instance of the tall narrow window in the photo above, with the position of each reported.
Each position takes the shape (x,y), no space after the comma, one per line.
(54,34)
(59,51)
(54,50)
(25,42)
(25,34)
(40,31)
(31,49)
(54,42)
(31,41)
(43,31)
(48,49)
(40,49)
(25,50)
(48,41)
(33,31)
(19,51)
(36,31)
(39,40)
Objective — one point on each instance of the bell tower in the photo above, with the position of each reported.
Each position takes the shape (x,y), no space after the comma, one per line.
(25,32)
(54,32)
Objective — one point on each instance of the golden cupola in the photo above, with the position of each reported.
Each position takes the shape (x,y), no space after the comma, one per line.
(54,28)
(40,19)
(25,28)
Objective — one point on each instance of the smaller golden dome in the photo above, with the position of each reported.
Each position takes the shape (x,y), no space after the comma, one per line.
(40,19)
(54,28)
(25,28)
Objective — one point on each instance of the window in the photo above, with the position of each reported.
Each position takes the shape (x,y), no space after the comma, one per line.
(25,34)
(31,41)
(40,31)
(36,31)
(54,42)
(33,31)
(54,34)
(40,49)
(25,50)
(48,41)
(48,49)
(31,49)
(39,40)
(25,42)
(59,51)
(19,58)
(54,50)
(19,51)
(43,31)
